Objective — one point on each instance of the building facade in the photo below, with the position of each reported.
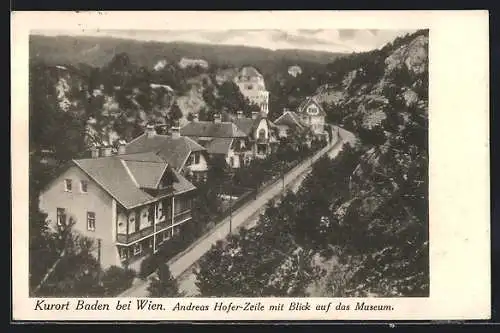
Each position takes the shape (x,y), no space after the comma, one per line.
(252,86)
(237,141)
(221,139)
(130,199)
(312,115)
(261,133)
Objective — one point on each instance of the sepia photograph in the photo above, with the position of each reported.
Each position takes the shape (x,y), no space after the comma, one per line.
(163,166)
(229,163)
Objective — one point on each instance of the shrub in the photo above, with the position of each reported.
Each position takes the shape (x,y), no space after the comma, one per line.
(148,266)
(166,252)
(116,279)
(164,285)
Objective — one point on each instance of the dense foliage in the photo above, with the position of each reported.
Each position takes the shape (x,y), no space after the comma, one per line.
(163,284)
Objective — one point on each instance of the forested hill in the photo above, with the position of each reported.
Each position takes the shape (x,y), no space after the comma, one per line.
(358,226)
(98,51)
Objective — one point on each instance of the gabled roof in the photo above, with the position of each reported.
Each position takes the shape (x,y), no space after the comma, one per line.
(125,177)
(308,101)
(247,125)
(211,129)
(290,119)
(174,151)
(146,174)
(219,145)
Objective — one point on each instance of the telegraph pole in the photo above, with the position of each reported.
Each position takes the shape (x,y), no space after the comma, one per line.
(283,174)
(231,201)
(99,251)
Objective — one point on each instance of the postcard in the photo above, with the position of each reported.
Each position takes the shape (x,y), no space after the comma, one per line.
(274,165)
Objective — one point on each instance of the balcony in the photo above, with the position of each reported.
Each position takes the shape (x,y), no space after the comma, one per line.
(132,237)
(182,216)
(165,224)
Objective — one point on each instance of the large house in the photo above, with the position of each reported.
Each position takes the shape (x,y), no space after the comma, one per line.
(128,203)
(252,86)
(219,138)
(309,115)
(237,141)
(182,153)
(260,131)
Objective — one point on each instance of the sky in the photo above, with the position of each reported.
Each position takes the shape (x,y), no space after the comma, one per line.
(331,40)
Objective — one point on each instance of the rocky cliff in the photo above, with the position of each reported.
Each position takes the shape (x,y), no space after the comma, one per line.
(385,101)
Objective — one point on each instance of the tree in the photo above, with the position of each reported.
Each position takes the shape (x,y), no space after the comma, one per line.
(76,272)
(175,112)
(116,279)
(230,98)
(164,285)
(250,108)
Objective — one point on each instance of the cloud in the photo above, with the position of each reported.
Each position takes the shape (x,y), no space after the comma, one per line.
(332,40)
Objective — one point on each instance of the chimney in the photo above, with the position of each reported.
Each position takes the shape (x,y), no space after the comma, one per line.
(106,150)
(255,114)
(285,110)
(150,131)
(94,151)
(175,131)
(217,118)
(122,147)
(195,117)
(239,114)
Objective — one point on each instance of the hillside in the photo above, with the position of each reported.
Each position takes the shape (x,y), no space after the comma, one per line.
(98,51)
(358,226)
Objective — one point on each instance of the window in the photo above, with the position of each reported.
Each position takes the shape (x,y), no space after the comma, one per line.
(84,186)
(196,157)
(261,149)
(61,216)
(312,110)
(262,134)
(231,161)
(159,211)
(123,253)
(177,230)
(91,221)
(137,248)
(68,185)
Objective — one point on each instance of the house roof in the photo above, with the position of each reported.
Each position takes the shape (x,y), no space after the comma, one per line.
(308,101)
(213,130)
(247,125)
(124,177)
(174,151)
(289,118)
(219,145)
(146,174)
(250,72)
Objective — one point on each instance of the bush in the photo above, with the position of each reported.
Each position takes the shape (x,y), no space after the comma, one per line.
(166,251)
(116,280)
(148,266)
(164,285)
